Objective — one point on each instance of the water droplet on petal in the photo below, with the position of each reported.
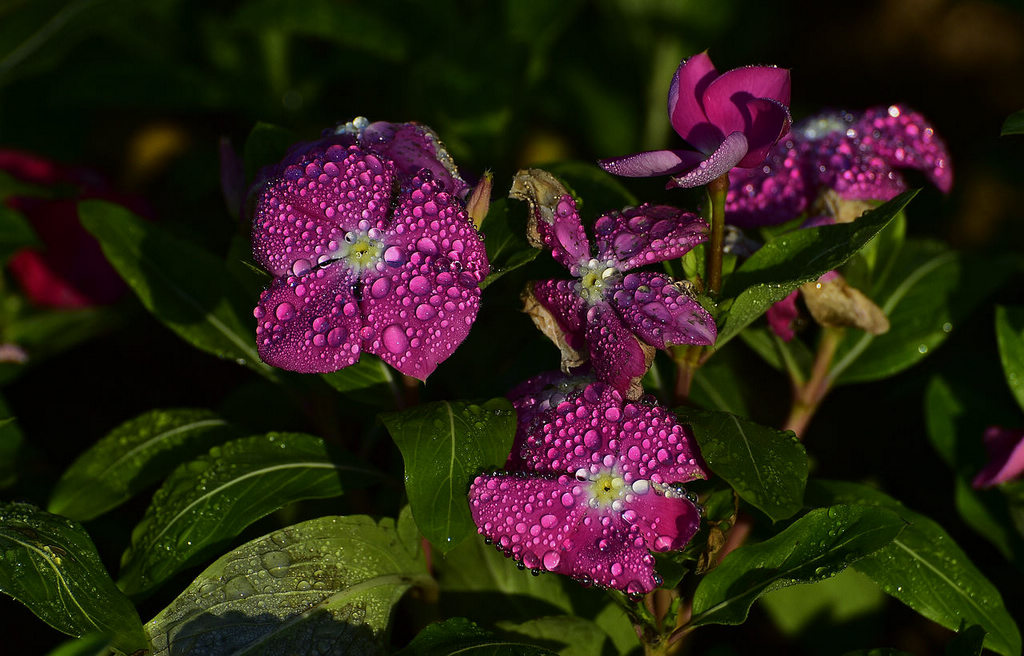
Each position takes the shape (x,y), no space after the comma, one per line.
(285,311)
(551,560)
(395,339)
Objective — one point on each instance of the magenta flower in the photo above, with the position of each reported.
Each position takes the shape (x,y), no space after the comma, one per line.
(732,120)
(617,316)
(600,486)
(372,249)
(856,157)
(1006,457)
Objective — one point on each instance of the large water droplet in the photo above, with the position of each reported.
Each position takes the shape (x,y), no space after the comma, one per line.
(395,339)
(285,311)
(380,287)
(551,560)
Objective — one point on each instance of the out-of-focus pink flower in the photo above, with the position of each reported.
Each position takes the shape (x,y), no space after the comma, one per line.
(1005,448)
(67,269)
(731,119)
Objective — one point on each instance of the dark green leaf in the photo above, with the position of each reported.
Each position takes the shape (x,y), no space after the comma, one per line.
(43,334)
(368,381)
(967,642)
(11,186)
(566,635)
(459,636)
(925,569)
(930,290)
(50,565)
(15,233)
(266,144)
(792,357)
(766,467)
(1010,336)
(843,597)
(211,499)
(504,231)
(182,285)
(323,586)
(818,545)
(1014,124)
(790,260)
(133,456)
(445,445)
(95,644)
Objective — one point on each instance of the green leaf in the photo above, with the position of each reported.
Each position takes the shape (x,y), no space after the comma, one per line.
(834,601)
(184,286)
(15,233)
(930,290)
(1014,124)
(793,357)
(967,642)
(211,499)
(49,564)
(1010,336)
(133,456)
(504,230)
(445,445)
(322,586)
(818,545)
(46,333)
(566,635)
(459,636)
(766,467)
(369,381)
(925,569)
(95,644)
(790,260)
(266,144)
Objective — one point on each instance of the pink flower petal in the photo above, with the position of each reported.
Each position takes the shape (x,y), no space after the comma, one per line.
(303,214)
(1006,457)
(728,154)
(560,229)
(763,122)
(667,523)
(607,551)
(781,316)
(616,355)
(905,139)
(657,312)
(534,399)
(414,147)
(309,323)
(653,445)
(560,299)
(770,194)
(739,84)
(685,102)
(652,163)
(647,234)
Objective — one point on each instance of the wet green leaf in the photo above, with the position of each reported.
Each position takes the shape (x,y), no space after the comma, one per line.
(504,231)
(1014,124)
(133,456)
(788,261)
(1010,336)
(445,445)
(925,569)
(460,636)
(211,499)
(184,286)
(50,564)
(820,544)
(767,467)
(322,586)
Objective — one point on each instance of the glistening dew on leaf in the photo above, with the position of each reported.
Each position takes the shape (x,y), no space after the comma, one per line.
(600,486)
(615,316)
(367,233)
(732,120)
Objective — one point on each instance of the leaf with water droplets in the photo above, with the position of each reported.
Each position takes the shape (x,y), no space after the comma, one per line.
(925,569)
(504,231)
(462,637)
(820,544)
(790,260)
(185,287)
(133,456)
(444,446)
(927,292)
(1014,124)
(325,586)
(767,467)
(208,501)
(1010,336)
(50,564)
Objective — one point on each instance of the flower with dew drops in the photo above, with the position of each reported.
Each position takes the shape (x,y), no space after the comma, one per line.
(613,314)
(598,487)
(1005,448)
(367,235)
(731,119)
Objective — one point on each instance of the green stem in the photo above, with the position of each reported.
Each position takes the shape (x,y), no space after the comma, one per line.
(687,360)
(717,190)
(807,397)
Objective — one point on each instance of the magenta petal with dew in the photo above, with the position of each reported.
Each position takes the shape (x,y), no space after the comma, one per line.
(728,154)
(647,234)
(686,102)
(616,354)
(652,163)
(565,306)
(1005,448)
(414,147)
(770,194)
(905,139)
(607,551)
(782,315)
(535,399)
(767,123)
(657,311)
(654,446)
(740,84)
(668,522)
(309,323)
(302,216)
(562,232)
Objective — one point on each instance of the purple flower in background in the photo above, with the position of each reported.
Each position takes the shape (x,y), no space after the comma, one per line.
(368,236)
(854,156)
(732,120)
(616,316)
(600,486)
(1006,457)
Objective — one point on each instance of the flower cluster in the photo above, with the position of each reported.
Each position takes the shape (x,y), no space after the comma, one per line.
(596,484)
(617,315)
(732,120)
(367,235)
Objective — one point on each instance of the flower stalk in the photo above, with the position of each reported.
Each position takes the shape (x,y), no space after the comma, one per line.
(717,190)
(808,396)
